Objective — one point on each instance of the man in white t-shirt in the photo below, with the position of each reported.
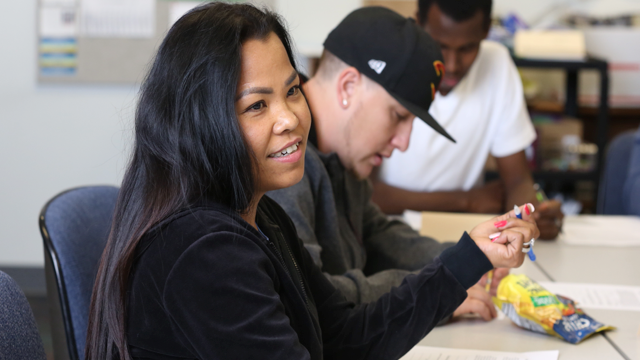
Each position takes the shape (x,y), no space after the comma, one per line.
(481,104)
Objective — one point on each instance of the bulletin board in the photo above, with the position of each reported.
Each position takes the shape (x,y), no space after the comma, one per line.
(68,56)
(70,51)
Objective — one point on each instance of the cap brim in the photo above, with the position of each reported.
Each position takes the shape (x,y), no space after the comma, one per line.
(424,115)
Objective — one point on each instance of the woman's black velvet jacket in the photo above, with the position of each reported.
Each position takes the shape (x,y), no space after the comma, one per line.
(207,285)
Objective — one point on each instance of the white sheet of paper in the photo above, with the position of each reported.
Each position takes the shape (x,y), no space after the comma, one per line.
(58,2)
(58,21)
(177,9)
(118,18)
(598,296)
(436,353)
(599,230)
(413,219)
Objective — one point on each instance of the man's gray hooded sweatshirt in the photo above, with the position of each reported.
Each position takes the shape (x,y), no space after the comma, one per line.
(362,252)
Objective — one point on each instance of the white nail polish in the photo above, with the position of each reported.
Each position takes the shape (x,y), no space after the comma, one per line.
(531,207)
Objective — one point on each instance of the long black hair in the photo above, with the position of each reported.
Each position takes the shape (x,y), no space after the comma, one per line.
(188,147)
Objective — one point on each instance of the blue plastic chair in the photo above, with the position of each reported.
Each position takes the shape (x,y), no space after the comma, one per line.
(19,337)
(75,225)
(631,189)
(616,168)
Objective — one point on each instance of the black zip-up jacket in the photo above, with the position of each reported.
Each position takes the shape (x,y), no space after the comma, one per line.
(207,285)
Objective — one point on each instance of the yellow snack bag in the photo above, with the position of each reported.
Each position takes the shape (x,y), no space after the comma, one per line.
(532,307)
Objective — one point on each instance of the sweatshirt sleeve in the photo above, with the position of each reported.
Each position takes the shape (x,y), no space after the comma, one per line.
(224,309)
(299,203)
(393,249)
(397,321)
(392,244)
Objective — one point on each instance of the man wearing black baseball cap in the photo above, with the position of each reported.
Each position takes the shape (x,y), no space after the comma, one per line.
(377,73)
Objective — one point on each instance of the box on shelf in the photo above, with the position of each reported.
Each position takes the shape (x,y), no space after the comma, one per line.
(551,132)
(550,44)
(407,8)
(617,47)
(559,146)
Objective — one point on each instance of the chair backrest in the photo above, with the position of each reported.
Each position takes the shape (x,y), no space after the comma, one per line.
(19,338)
(75,225)
(631,191)
(616,167)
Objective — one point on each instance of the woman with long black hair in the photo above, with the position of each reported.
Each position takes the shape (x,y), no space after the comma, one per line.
(199,264)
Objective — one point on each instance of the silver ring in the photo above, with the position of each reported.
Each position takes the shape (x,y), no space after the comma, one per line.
(531,242)
(526,250)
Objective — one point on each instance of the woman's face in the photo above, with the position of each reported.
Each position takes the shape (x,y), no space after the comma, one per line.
(273,113)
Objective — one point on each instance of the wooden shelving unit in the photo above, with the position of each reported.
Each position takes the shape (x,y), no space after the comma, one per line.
(571,69)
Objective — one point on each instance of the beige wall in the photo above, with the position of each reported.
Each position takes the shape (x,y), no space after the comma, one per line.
(310,21)
(406,8)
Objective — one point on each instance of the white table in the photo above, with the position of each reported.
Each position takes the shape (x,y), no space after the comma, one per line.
(593,264)
(503,335)
(557,261)
(600,265)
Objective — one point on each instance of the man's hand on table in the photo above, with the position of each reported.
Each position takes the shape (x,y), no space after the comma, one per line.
(498,275)
(549,218)
(477,302)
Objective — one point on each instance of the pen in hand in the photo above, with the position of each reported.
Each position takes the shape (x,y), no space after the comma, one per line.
(487,287)
(516,210)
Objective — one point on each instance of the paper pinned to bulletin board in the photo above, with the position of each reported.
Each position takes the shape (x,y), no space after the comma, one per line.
(58,30)
(118,18)
(104,41)
(98,41)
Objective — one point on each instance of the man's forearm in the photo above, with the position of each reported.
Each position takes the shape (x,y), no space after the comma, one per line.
(520,193)
(393,200)
(517,179)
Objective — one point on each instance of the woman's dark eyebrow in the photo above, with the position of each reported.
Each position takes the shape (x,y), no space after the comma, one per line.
(291,77)
(264,90)
(254,90)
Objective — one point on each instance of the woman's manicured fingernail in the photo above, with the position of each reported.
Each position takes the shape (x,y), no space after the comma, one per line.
(530,205)
(500,224)
(526,209)
(494,236)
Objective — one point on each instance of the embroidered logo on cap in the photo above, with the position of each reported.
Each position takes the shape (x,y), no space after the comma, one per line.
(439,67)
(377,65)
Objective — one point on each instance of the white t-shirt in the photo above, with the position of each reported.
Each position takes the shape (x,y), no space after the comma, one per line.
(485,112)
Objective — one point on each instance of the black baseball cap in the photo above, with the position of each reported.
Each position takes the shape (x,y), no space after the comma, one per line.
(394,52)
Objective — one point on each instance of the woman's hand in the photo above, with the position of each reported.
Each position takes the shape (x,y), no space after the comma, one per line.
(509,234)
